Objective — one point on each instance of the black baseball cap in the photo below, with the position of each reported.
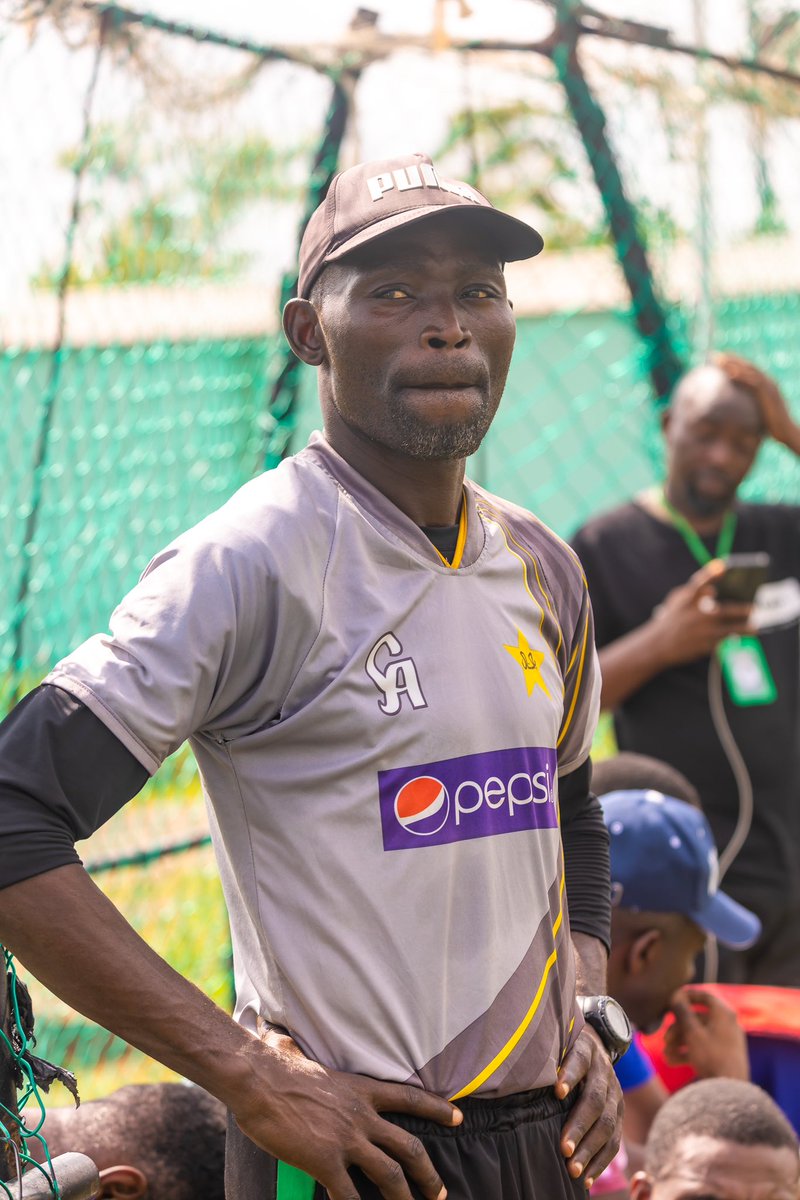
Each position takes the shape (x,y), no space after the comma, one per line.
(372,199)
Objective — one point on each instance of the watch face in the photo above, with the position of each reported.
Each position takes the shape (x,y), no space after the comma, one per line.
(617,1020)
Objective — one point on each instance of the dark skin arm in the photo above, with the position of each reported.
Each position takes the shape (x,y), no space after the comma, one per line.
(707,1035)
(591,1135)
(688,625)
(779,422)
(70,936)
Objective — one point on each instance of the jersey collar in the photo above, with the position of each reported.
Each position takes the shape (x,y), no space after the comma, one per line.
(393,520)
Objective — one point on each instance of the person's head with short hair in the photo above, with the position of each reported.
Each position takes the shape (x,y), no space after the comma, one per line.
(159,1141)
(627,771)
(719,1139)
(665,900)
(713,429)
(402,307)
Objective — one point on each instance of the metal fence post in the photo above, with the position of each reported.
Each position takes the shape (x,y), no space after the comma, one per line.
(8,1087)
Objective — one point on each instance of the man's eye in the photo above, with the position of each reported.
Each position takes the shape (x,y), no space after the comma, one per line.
(481,293)
(393,293)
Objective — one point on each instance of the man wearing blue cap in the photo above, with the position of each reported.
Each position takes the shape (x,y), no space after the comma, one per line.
(665,899)
(665,902)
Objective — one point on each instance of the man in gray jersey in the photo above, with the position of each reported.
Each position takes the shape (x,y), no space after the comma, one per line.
(389,682)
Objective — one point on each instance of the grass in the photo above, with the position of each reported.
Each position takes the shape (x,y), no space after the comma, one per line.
(174,902)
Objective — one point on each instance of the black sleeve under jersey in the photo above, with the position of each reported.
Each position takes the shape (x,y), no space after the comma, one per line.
(587,864)
(62,775)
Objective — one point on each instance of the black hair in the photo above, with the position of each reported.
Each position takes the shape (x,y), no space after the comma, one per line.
(186,1128)
(174,1134)
(727,1109)
(628,772)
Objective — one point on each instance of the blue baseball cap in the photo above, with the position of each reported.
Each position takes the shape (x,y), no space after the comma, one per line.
(663,859)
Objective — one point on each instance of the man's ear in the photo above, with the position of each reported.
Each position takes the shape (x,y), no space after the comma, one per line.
(641,1186)
(122,1183)
(303,332)
(644,948)
(666,420)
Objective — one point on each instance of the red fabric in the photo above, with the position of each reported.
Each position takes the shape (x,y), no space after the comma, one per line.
(673,1078)
(765,1011)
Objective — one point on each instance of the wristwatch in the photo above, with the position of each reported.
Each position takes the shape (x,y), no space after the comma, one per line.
(609,1021)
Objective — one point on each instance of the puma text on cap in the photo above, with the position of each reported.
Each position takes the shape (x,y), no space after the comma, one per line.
(372,199)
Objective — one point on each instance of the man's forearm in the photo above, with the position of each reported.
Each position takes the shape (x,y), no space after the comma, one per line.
(72,938)
(591,964)
(65,931)
(591,1133)
(629,663)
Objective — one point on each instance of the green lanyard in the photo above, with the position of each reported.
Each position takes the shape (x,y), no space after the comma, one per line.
(693,539)
(744,664)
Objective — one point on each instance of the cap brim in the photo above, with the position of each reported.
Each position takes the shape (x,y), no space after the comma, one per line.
(731,923)
(513,238)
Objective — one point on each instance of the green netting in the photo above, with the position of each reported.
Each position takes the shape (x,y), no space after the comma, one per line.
(144,441)
(154,182)
(19,1133)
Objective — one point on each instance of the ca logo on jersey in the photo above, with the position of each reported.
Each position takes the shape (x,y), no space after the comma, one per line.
(396,678)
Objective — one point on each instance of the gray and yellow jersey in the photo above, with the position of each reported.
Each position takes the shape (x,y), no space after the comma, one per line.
(380,737)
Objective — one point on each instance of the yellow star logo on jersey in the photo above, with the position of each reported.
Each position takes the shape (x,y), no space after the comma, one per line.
(531,663)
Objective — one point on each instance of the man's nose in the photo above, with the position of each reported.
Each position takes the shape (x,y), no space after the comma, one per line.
(445,328)
(722,454)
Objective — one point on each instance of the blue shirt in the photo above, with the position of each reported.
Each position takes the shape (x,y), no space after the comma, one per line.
(635,1067)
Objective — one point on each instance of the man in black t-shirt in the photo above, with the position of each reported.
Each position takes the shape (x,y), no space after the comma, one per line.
(708,685)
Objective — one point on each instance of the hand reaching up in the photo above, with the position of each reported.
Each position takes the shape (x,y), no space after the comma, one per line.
(706,1035)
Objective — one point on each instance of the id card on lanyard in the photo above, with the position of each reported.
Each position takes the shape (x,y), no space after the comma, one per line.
(745,669)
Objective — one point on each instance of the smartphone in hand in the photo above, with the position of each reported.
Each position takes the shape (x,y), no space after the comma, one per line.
(744,575)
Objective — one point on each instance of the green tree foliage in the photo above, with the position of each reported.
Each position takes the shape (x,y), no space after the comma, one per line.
(530,156)
(163,214)
(767,100)
(527,156)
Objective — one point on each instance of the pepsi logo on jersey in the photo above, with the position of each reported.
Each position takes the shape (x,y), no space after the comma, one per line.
(476,796)
(422,805)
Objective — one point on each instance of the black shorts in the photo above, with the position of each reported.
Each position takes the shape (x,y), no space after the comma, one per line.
(506,1149)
